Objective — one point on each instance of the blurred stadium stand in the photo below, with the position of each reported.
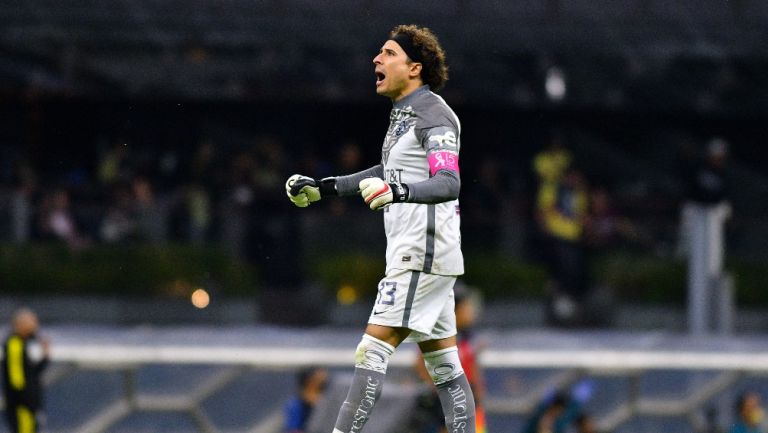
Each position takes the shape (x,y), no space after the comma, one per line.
(164,77)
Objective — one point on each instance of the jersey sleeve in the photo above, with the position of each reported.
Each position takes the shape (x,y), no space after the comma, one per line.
(441,143)
(443,186)
(440,139)
(349,184)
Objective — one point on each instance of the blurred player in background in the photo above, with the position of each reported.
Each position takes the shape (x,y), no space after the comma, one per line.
(585,424)
(562,209)
(551,416)
(466,316)
(467,309)
(24,360)
(312,382)
(561,411)
(416,185)
(750,415)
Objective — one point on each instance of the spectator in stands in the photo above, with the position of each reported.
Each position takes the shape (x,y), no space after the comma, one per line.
(706,186)
(552,416)
(22,204)
(585,424)
(561,411)
(205,179)
(349,159)
(58,222)
(203,167)
(269,160)
(312,382)
(561,211)
(750,414)
(561,214)
(118,224)
(703,227)
(113,165)
(25,357)
(272,242)
(197,204)
(484,209)
(607,228)
(550,164)
(151,217)
(236,207)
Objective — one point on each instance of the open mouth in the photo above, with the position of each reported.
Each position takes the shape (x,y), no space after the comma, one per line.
(379,77)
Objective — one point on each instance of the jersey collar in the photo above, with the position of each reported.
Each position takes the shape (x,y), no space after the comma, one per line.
(406,101)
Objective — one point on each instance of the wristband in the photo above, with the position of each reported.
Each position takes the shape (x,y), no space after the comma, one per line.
(399,192)
(327,186)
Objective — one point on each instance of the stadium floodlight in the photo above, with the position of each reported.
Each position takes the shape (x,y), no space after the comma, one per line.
(555,84)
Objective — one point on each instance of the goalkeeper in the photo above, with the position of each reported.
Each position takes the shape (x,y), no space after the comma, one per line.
(416,185)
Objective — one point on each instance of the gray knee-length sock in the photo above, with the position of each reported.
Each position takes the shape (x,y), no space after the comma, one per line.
(458,405)
(362,396)
(371,360)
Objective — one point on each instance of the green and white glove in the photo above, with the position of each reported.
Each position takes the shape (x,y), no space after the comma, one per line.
(303,190)
(379,194)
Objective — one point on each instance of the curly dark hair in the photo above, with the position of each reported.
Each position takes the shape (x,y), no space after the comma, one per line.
(434,71)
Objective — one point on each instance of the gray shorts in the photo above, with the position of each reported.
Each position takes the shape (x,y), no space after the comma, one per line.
(417,301)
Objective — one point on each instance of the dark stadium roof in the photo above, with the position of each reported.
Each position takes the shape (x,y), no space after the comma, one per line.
(705,53)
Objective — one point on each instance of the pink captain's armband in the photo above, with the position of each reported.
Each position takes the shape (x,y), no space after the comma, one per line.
(443,160)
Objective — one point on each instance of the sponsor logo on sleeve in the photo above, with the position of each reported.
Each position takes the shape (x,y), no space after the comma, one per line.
(442,141)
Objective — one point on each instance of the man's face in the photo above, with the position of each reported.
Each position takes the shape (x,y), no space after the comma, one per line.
(753,410)
(393,71)
(26,324)
(465,314)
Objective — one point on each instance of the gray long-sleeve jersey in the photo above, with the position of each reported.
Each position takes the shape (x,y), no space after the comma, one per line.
(420,149)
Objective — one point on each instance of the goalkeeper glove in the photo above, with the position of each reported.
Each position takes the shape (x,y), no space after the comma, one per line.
(379,194)
(303,190)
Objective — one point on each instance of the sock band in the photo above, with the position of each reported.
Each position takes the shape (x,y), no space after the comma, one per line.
(373,354)
(443,365)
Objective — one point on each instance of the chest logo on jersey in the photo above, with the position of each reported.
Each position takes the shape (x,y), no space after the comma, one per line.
(400,122)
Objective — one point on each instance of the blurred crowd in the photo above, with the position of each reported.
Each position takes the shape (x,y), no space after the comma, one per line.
(126,193)
(123,190)
(139,193)
(575,218)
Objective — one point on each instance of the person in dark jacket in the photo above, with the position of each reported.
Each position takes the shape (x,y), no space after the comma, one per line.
(25,357)
(312,382)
